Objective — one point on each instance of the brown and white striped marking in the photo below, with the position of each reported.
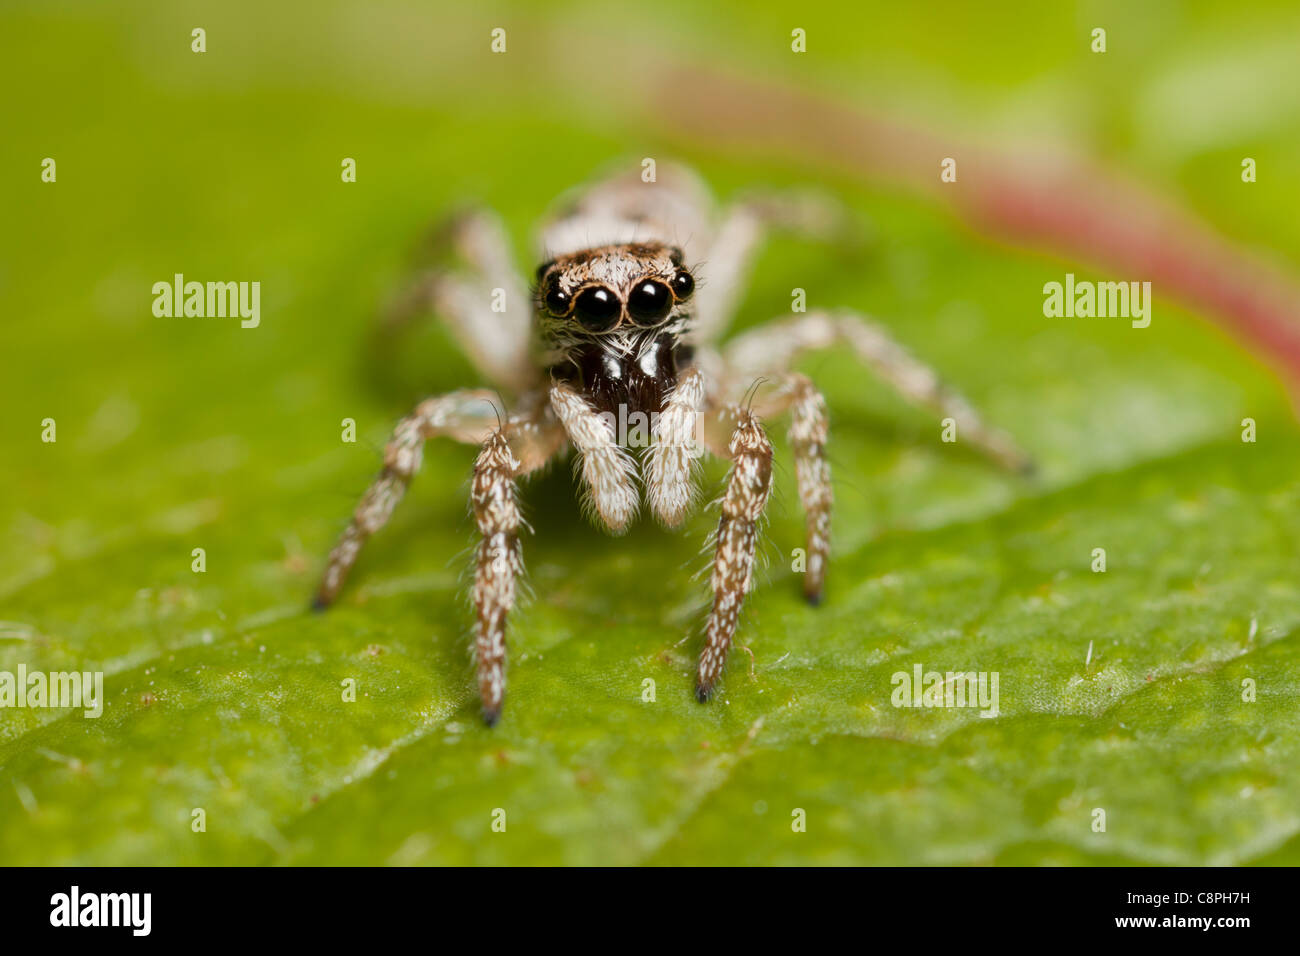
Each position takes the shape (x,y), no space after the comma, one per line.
(498,564)
(468,416)
(809,430)
(743,502)
(808,433)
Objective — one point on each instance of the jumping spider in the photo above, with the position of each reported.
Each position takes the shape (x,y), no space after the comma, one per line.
(622,322)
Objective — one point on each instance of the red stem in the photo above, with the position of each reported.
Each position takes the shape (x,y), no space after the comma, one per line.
(1077,210)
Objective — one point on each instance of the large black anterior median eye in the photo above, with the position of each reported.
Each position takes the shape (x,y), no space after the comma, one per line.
(597,308)
(649,302)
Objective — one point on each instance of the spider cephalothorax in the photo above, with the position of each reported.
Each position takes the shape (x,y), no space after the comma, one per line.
(611,322)
(619,325)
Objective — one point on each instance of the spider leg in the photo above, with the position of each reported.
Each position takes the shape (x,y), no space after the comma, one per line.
(507,454)
(743,502)
(775,347)
(730,256)
(669,465)
(808,433)
(497,342)
(623,208)
(608,472)
(467,416)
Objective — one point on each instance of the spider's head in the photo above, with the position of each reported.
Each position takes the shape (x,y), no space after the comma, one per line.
(613,294)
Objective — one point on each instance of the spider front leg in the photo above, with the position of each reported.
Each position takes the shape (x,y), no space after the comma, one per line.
(498,564)
(525,444)
(467,416)
(743,503)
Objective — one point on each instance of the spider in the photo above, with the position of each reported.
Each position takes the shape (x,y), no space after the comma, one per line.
(621,321)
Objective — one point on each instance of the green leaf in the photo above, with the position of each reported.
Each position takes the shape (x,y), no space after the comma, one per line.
(1121,691)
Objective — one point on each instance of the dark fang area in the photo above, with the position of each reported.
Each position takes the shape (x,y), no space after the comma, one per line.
(611,382)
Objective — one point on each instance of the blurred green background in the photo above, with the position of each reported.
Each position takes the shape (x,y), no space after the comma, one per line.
(224,692)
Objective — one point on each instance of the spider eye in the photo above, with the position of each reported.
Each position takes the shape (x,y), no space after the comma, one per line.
(557,302)
(597,309)
(649,303)
(683,284)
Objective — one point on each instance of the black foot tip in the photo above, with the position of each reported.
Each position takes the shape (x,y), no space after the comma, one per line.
(702,694)
(319,605)
(490,717)
(814,599)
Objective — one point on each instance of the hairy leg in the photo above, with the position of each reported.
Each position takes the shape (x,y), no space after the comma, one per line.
(731,254)
(527,441)
(774,347)
(808,433)
(608,472)
(467,416)
(743,502)
(498,564)
(525,444)
(669,466)
(496,342)
(508,454)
